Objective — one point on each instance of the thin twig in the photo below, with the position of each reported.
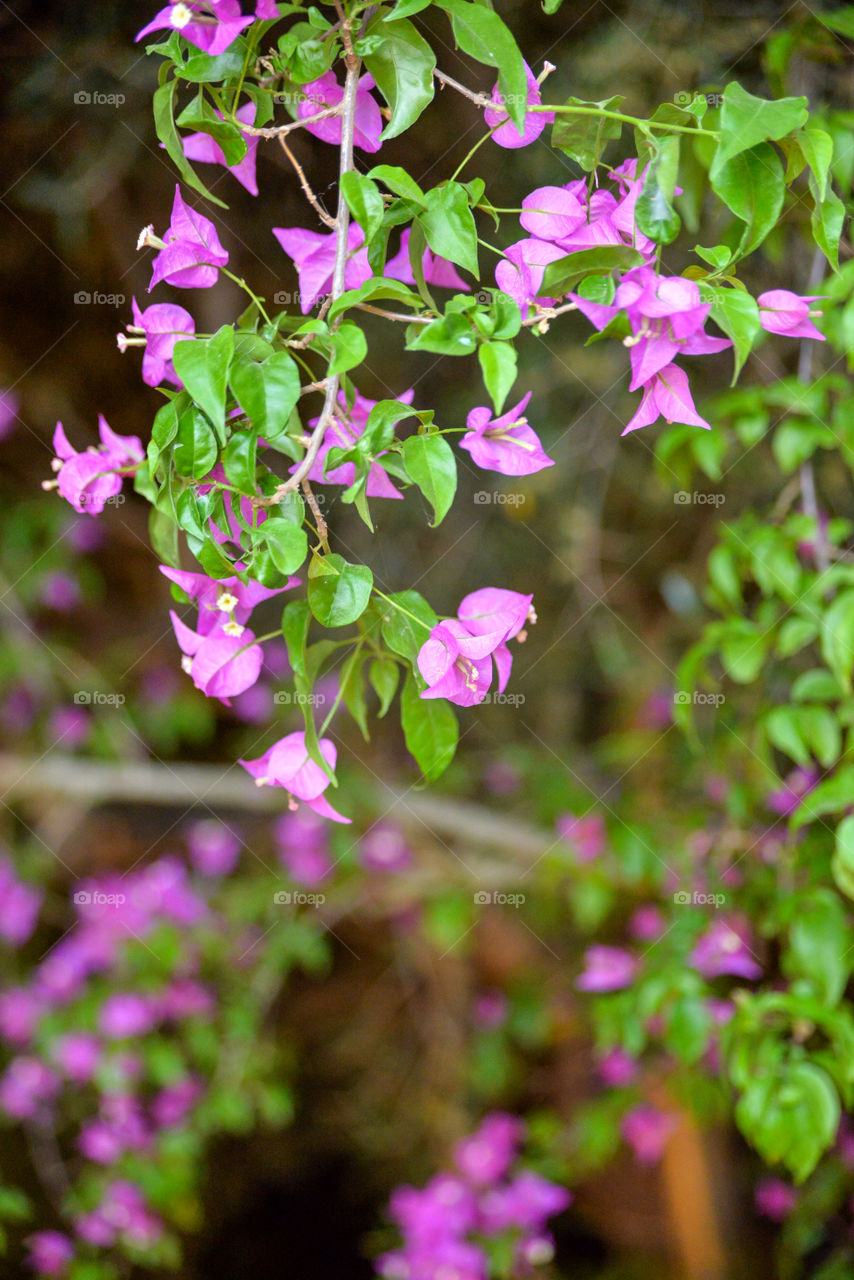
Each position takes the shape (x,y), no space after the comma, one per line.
(810,501)
(319,522)
(342,228)
(280,130)
(324,217)
(480,99)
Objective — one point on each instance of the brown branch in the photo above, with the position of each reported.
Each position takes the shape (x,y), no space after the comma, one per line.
(480,99)
(312,199)
(280,130)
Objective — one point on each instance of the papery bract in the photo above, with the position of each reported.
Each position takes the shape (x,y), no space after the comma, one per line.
(313,254)
(288,764)
(212,25)
(507,134)
(506,444)
(327,92)
(204,149)
(193,254)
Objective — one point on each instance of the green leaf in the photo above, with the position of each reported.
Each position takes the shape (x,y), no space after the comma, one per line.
(837,638)
(407,620)
(430,729)
(164,123)
(286,542)
(352,686)
(430,463)
(737,314)
(338,592)
(398,181)
(239,461)
(827,219)
(350,346)
(202,364)
(449,226)
(364,201)
(402,67)
(200,117)
(753,186)
(654,212)
(498,366)
(746,120)
(583,137)
(296,617)
(481,33)
(196,449)
(384,675)
(832,795)
(744,648)
(267,392)
(820,945)
(794,635)
(564,273)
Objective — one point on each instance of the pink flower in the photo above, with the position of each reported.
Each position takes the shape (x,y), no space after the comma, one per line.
(88,480)
(586,835)
(456,664)
(617,1068)
(192,254)
(20,904)
(647,1130)
(214,848)
(223,600)
(313,254)
(171,1105)
(667,396)
(302,842)
(525,1202)
(204,149)
(20,1011)
(9,406)
(222,663)
(724,949)
(212,25)
(520,272)
(287,764)
(487,1154)
(775,1199)
(551,213)
(125,1014)
(796,786)
(607,969)
(326,92)
(507,134)
(49,1253)
(647,923)
(124,1212)
(781,311)
(385,848)
(506,444)
(27,1085)
(162,325)
(77,1055)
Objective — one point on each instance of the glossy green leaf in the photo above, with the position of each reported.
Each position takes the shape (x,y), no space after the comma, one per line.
(338,592)
(402,66)
(203,364)
(430,729)
(430,464)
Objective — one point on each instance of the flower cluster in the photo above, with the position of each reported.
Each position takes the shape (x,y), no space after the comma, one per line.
(88,480)
(452,1225)
(456,662)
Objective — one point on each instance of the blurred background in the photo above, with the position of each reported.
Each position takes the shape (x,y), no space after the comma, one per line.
(89,671)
